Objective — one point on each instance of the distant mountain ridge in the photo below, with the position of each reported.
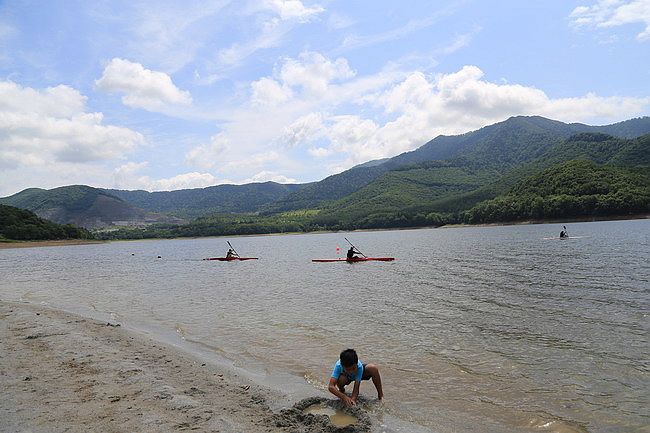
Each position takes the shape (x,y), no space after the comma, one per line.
(436,182)
(502,145)
(197,202)
(459,184)
(83,206)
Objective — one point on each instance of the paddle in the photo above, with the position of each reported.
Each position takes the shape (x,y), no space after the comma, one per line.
(355,248)
(233,250)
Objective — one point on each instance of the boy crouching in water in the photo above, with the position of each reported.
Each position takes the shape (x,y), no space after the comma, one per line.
(349,369)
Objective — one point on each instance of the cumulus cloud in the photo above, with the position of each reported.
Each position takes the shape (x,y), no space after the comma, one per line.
(184,181)
(128,176)
(293,9)
(423,107)
(313,72)
(209,154)
(613,13)
(42,127)
(267,92)
(305,129)
(270,176)
(142,88)
(323,110)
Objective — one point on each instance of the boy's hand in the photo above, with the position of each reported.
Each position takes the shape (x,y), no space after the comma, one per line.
(348,401)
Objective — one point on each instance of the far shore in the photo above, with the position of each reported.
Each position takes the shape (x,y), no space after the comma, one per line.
(6,244)
(49,243)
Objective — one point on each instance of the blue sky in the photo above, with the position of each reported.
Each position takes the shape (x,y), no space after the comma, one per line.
(169,95)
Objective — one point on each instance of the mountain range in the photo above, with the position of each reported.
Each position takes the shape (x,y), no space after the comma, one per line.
(436,183)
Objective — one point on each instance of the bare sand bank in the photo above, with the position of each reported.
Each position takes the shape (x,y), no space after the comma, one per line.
(62,372)
(59,243)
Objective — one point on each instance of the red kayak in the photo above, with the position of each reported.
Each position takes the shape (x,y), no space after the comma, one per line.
(356,259)
(230,259)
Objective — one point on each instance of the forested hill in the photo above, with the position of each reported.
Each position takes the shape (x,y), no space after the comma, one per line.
(501,147)
(20,224)
(436,192)
(574,189)
(83,206)
(193,203)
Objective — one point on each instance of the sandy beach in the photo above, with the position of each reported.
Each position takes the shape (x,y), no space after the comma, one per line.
(57,243)
(62,372)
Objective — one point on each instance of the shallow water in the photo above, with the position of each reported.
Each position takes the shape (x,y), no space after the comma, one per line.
(338,418)
(478,328)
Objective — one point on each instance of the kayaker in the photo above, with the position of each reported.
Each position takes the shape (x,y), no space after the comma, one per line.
(349,369)
(352,252)
(231,254)
(564,233)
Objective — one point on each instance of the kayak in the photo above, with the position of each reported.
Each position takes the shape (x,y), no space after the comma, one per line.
(356,259)
(230,259)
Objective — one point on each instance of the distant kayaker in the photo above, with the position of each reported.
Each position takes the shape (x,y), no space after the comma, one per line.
(564,233)
(352,252)
(349,369)
(231,254)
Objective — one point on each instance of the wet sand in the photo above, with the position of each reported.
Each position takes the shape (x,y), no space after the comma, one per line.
(62,372)
(60,243)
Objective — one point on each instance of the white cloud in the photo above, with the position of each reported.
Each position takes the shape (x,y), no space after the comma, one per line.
(210,154)
(270,31)
(613,13)
(166,37)
(143,88)
(271,34)
(42,127)
(321,109)
(268,92)
(270,176)
(305,129)
(249,162)
(454,103)
(184,181)
(313,72)
(128,176)
(320,152)
(293,9)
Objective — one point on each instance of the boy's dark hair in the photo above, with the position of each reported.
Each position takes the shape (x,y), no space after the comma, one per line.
(349,357)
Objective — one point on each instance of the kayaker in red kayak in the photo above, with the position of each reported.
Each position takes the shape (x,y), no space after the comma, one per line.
(351,253)
(231,254)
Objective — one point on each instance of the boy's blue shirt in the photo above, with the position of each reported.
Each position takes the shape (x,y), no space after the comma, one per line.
(338,370)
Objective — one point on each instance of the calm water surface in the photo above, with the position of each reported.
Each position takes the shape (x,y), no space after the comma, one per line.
(494,329)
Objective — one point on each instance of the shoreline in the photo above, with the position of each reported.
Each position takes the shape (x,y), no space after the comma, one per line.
(65,372)
(68,242)
(49,243)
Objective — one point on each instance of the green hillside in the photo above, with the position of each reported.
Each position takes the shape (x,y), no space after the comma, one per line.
(432,192)
(504,146)
(80,205)
(577,188)
(197,202)
(331,188)
(20,224)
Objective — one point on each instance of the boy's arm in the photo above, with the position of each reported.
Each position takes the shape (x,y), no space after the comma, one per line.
(334,389)
(355,391)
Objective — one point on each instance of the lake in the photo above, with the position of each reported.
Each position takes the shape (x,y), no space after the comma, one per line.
(500,329)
